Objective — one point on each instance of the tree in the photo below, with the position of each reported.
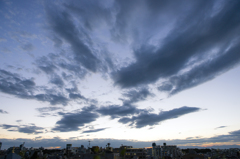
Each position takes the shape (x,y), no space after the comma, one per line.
(22,154)
(123,152)
(97,157)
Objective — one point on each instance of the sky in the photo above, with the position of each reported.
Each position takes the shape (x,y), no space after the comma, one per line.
(120,72)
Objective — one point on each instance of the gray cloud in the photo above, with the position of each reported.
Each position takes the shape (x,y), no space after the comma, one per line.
(220,127)
(27,47)
(57,42)
(76,96)
(3,111)
(94,130)
(52,98)
(206,71)
(73,121)
(136,95)
(145,118)
(117,110)
(53,64)
(25,34)
(88,53)
(57,80)
(165,87)
(13,84)
(48,109)
(128,107)
(189,46)
(62,24)
(28,129)
(72,67)
(46,65)
(18,86)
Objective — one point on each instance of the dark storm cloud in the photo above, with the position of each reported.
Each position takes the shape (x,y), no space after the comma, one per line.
(73,121)
(62,24)
(28,129)
(94,130)
(200,30)
(53,142)
(3,111)
(145,118)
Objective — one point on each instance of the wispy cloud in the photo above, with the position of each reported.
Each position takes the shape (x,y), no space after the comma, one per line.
(94,130)
(146,118)
(220,127)
(3,111)
(28,129)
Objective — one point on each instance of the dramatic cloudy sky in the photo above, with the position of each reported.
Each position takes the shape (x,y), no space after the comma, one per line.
(119,71)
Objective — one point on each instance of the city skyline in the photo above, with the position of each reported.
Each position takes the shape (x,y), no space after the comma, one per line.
(119,72)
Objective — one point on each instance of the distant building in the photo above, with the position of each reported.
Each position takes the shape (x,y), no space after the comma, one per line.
(68,149)
(101,156)
(166,151)
(139,153)
(193,155)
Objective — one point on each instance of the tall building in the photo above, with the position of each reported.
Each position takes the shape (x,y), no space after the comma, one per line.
(165,151)
(0,145)
(140,153)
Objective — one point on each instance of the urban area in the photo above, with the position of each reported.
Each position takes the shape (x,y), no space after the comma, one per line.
(155,151)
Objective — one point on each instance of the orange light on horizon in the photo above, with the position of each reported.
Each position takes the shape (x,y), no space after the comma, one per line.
(56,147)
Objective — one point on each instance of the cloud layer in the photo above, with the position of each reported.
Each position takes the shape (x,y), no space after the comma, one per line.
(198,142)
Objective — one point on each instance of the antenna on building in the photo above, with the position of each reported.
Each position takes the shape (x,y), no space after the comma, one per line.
(89,143)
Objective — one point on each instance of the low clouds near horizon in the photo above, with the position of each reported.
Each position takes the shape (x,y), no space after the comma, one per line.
(197,141)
